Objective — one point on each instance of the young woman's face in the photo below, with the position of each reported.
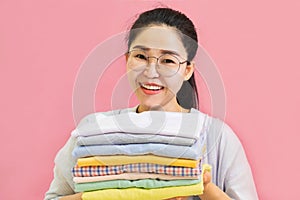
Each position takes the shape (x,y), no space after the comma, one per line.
(153,88)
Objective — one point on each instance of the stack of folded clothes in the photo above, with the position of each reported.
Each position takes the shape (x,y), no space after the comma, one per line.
(148,155)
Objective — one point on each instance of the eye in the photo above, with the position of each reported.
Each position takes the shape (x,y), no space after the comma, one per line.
(140,56)
(168,61)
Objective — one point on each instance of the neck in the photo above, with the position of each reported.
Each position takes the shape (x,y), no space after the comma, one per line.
(177,108)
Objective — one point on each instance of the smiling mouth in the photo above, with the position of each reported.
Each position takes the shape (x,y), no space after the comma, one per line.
(152,87)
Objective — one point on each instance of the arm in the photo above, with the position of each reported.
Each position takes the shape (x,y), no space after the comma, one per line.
(62,183)
(232,171)
(59,186)
(72,197)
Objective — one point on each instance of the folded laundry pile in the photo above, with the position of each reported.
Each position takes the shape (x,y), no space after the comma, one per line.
(148,155)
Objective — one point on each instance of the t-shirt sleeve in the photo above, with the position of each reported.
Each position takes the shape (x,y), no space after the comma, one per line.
(234,167)
(62,183)
(59,186)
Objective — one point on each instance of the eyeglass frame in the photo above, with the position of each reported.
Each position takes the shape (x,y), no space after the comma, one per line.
(157,58)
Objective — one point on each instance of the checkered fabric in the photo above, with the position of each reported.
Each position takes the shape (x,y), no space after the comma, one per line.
(135,168)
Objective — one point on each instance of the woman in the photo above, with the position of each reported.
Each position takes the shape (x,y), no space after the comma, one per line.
(161,46)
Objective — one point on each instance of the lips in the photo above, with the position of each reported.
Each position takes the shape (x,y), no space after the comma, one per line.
(151,88)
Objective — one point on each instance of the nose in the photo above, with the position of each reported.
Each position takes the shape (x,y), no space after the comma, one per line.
(151,70)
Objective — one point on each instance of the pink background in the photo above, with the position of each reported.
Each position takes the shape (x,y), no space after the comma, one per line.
(255,45)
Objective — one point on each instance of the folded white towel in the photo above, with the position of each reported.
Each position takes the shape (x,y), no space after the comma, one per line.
(188,125)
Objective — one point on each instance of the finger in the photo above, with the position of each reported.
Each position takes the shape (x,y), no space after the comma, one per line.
(206,177)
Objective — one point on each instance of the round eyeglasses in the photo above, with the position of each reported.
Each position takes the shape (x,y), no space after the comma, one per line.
(166,64)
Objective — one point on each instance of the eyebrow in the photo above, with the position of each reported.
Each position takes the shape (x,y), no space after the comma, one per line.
(161,50)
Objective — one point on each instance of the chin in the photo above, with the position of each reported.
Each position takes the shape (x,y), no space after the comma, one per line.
(154,102)
(151,106)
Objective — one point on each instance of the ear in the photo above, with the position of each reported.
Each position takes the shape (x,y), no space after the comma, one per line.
(189,70)
(126,56)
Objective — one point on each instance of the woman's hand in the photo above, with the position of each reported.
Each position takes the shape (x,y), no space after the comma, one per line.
(206,179)
(211,191)
(76,196)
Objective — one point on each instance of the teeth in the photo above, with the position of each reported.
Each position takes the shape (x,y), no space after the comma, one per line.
(151,87)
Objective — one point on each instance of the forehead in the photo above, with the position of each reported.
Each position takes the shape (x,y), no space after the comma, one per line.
(160,37)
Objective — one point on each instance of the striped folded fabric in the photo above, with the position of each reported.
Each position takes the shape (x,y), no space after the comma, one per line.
(133,168)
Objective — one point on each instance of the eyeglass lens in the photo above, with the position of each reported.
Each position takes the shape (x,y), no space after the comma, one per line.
(167,64)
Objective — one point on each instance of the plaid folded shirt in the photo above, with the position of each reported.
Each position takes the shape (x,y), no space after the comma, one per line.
(135,168)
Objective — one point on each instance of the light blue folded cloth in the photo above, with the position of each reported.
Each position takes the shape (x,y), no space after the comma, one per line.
(175,151)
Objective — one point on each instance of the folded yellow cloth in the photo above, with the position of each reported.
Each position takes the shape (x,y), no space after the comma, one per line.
(144,194)
(123,159)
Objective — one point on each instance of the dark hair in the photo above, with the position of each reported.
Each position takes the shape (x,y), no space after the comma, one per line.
(187,96)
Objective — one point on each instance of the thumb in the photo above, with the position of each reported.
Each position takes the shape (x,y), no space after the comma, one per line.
(206,177)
